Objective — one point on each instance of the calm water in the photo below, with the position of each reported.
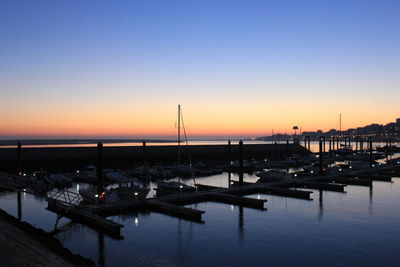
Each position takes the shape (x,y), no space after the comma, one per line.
(360,227)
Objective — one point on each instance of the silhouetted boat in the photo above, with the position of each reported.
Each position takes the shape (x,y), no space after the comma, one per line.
(177,187)
(125,191)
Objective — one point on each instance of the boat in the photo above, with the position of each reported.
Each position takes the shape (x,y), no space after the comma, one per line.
(273,175)
(124,192)
(173,186)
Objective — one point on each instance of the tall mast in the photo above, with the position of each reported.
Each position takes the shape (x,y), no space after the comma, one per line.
(179,134)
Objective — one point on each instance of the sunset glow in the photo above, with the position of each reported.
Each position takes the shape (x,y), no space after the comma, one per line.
(62,77)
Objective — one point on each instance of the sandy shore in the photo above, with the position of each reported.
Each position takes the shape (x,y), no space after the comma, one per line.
(23,245)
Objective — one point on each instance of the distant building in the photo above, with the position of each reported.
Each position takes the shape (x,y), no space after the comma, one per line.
(398,121)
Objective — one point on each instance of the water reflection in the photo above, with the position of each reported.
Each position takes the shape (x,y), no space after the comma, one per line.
(241,223)
(101,250)
(313,231)
(321,205)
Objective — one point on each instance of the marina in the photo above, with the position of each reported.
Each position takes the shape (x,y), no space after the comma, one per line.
(237,192)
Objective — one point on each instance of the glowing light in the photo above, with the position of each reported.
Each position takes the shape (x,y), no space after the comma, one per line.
(181,186)
(96,195)
(136,193)
(136,221)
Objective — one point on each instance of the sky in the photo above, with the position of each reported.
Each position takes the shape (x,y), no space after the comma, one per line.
(238,68)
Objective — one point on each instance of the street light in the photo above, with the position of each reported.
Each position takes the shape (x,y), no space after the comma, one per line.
(295,128)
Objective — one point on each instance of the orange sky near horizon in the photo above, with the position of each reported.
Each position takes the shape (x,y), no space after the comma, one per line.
(233,118)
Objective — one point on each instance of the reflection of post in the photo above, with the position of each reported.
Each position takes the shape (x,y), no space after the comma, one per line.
(330,148)
(241,222)
(241,163)
(321,205)
(370,199)
(19,205)
(101,259)
(229,179)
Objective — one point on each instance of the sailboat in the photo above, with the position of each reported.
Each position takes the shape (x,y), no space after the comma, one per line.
(173,186)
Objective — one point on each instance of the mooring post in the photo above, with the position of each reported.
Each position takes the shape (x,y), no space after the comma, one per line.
(330,148)
(19,201)
(370,153)
(144,152)
(323,146)
(287,156)
(356,144)
(229,152)
(240,162)
(100,168)
(387,149)
(361,144)
(309,143)
(320,157)
(19,159)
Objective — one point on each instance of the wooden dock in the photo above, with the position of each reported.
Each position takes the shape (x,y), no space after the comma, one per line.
(174,205)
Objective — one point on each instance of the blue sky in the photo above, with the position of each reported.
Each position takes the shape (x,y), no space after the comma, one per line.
(144,57)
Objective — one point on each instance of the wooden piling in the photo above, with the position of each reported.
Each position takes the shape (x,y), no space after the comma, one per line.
(240,162)
(19,159)
(144,152)
(100,167)
(321,168)
(370,154)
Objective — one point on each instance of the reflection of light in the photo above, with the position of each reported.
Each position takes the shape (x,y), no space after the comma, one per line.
(340,170)
(24,174)
(295,175)
(136,193)
(136,221)
(351,167)
(373,165)
(258,196)
(232,207)
(231,182)
(181,186)
(77,187)
(77,171)
(312,171)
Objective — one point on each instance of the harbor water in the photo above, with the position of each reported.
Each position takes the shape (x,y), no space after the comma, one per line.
(359,227)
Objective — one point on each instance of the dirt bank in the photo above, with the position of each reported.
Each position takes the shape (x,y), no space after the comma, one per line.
(24,245)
